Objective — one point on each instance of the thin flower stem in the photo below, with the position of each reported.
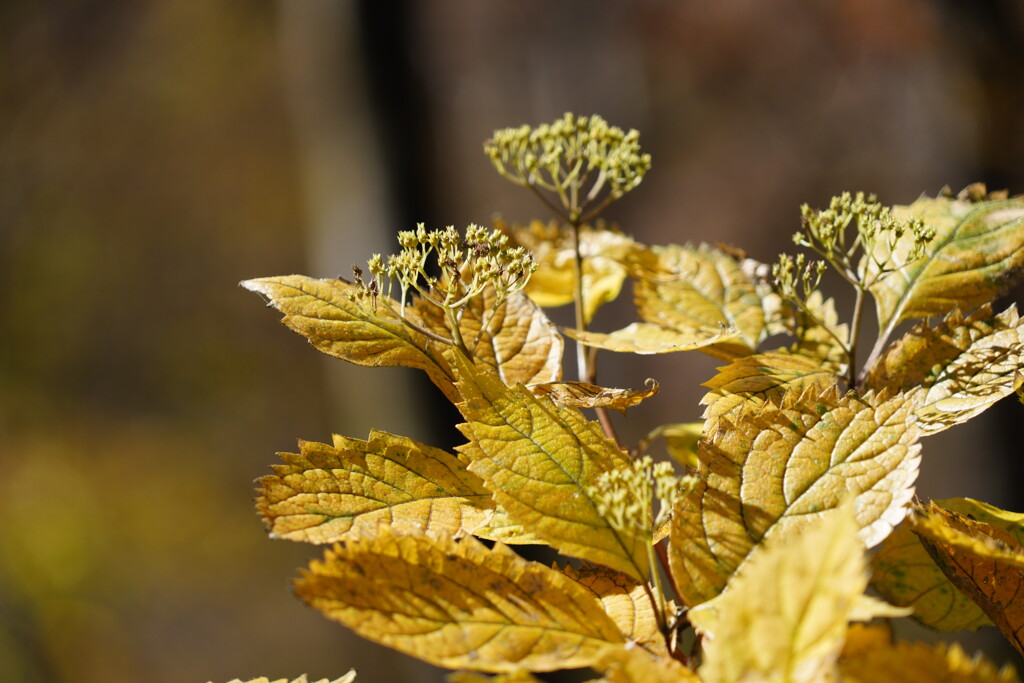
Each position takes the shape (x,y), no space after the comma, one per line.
(858,310)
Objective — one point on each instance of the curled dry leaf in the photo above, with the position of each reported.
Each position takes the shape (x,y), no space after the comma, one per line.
(584,395)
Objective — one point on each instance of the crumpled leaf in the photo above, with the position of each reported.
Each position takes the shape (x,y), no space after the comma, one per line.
(776,466)
(350,677)
(983,560)
(515,338)
(966,363)
(761,376)
(784,616)
(977,253)
(501,528)
(646,338)
(636,665)
(584,395)
(458,604)
(904,574)
(538,460)
(701,291)
(625,601)
(602,250)
(336,321)
(325,494)
(904,662)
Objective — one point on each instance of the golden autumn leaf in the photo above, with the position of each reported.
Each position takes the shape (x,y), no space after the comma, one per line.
(701,291)
(904,662)
(539,460)
(775,466)
(514,338)
(965,363)
(520,676)
(861,638)
(820,333)
(784,615)
(350,677)
(680,439)
(584,395)
(329,493)
(335,320)
(501,528)
(602,250)
(904,574)
(636,665)
(625,601)
(983,560)
(647,338)
(977,252)
(458,604)
(761,376)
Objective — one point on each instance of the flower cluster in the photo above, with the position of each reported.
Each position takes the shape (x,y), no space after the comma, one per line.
(625,497)
(576,158)
(793,271)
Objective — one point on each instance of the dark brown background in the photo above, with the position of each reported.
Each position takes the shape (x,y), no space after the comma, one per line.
(153,153)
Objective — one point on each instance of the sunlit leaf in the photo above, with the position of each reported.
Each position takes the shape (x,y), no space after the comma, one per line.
(520,676)
(501,528)
(625,601)
(583,395)
(966,363)
(755,378)
(904,574)
(700,291)
(904,662)
(821,335)
(977,252)
(338,322)
(325,494)
(647,338)
(514,338)
(784,616)
(538,460)
(458,604)
(775,466)
(985,561)
(636,665)
(861,638)
(350,677)
(680,440)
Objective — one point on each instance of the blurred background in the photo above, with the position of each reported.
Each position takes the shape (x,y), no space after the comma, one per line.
(153,153)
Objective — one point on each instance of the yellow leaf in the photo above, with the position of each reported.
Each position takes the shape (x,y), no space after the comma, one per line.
(336,321)
(776,466)
(822,337)
(325,494)
(784,616)
(904,574)
(583,395)
(519,676)
(965,363)
(647,338)
(699,291)
(514,338)
(501,528)
(862,638)
(760,376)
(680,441)
(921,663)
(636,665)
(554,282)
(977,252)
(986,562)
(458,604)
(350,677)
(625,601)
(538,460)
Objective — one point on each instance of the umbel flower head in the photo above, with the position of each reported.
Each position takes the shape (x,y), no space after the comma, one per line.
(625,497)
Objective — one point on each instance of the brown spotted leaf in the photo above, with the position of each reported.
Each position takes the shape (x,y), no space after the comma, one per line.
(904,574)
(458,604)
(584,395)
(325,494)
(904,662)
(977,252)
(335,320)
(539,460)
(965,363)
(772,467)
(983,560)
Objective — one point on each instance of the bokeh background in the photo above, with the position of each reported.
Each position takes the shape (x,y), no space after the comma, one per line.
(155,152)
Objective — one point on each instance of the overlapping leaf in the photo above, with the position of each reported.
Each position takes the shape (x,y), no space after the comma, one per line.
(966,363)
(636,665)
(977,252)
(983,560)
(820,333)
(584,395)
(922,663)
(784,616)
(325,494)
(647,338)
(904,574)
(775,466)
(538,460)
(337,321)
(625,601)
(458,604)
